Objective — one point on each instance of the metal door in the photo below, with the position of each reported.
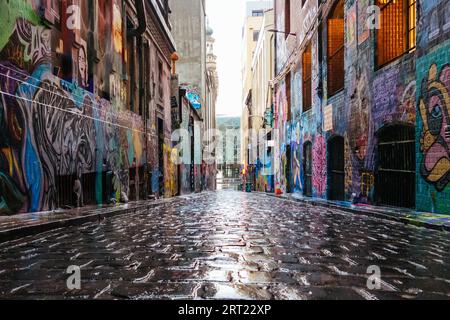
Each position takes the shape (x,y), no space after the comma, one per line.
(396,175)
(307,168)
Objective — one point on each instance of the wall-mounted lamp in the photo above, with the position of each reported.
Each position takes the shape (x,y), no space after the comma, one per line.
(174,57)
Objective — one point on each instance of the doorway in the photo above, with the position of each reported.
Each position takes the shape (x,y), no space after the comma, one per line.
(336,169)
(396,174)
(307,169)
(287,169)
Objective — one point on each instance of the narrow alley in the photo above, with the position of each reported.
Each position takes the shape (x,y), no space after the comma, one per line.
(230,245)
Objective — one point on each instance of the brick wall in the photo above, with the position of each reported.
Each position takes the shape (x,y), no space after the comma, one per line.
(373,100)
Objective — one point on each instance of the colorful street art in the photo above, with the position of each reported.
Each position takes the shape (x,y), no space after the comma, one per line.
(412,90)
(434,107)
(62,110)
(320,166)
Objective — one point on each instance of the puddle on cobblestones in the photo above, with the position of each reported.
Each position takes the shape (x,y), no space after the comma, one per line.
(233,246)
(240,292)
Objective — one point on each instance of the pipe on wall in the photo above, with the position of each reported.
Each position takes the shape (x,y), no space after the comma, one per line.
(142,21)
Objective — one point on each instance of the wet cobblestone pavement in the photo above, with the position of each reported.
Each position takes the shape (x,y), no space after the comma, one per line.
(230,245)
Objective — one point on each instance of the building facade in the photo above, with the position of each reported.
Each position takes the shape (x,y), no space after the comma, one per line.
(263,71)
(362,101)
(212,92)
(84,118)
(197,73)
(253,25)
(187,121)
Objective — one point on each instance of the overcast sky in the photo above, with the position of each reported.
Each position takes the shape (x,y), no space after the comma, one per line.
(226,17)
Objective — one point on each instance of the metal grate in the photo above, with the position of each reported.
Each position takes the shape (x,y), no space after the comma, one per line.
(397,33)
(412,24)
(64,185)
(395,184)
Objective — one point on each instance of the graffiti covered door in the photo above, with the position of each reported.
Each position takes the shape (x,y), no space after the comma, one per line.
(395,182)
(307,169)
(336,164)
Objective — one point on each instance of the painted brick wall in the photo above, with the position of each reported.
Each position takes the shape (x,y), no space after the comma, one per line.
(63,105)
(373,99)
(433,107)
(433,158)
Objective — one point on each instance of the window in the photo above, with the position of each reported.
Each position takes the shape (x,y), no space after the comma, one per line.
(412,24)
(307,79)
(255,36)
(52,12)
(257,13)
(397,34)
(161,80)
(287,18)
(336,44)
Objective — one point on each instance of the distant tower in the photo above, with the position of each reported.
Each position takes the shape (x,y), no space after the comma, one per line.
(211,62)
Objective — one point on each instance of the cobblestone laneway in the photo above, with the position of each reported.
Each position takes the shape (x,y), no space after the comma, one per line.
(230,245)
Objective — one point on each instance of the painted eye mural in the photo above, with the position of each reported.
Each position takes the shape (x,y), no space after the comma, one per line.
(434,107)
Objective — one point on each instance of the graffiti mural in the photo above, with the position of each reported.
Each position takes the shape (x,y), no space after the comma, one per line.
(63,118)
(434,108)
(410,90)
(320,166)
(359,112)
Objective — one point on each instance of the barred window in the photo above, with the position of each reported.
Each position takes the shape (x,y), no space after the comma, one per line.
(307,79)
(412,24)
(397,33)
(336,44)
